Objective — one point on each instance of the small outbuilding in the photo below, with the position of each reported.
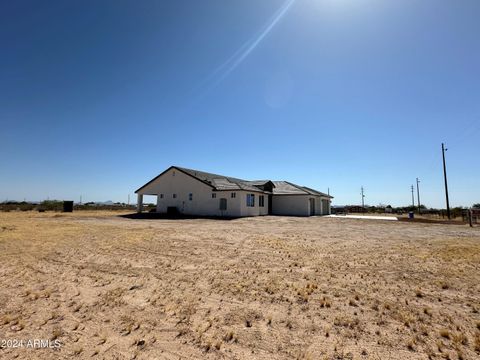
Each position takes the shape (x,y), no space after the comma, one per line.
(198,193)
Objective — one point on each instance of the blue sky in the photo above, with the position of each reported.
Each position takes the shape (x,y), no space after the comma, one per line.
(97,97)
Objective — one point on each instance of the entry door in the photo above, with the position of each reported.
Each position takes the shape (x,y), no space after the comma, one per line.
(223,204)
(312,206)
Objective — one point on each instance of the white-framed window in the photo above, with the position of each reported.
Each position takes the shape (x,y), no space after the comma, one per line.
(190,196)
(174,196)
(251,200)
(233,195)
(214,195)
(261,200)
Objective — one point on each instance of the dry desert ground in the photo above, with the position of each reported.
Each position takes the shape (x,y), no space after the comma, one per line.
(108,287)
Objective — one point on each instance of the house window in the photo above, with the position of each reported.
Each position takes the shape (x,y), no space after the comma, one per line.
(261,201)
(190,196)
(174,196)
(233,195)
(214,195)
(251,200)
(161,196)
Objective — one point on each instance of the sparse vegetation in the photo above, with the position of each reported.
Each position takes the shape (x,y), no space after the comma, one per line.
(103,285)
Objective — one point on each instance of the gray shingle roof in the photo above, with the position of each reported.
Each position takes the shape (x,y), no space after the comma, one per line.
(316,192)
(226,183)
(221,182)
(288,188)
(258,182)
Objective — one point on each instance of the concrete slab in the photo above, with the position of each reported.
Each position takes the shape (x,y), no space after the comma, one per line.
(364,217)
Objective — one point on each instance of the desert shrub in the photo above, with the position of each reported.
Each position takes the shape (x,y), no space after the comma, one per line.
(51,205)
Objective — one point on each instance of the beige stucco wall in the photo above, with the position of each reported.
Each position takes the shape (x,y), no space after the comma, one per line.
(255,210)
(202,203)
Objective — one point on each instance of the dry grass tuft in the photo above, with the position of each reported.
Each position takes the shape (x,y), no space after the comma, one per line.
(460,338)
(229,336)
(352,302)
(445,333)
(325,302)
(476,343)
(56,333)
(411,345)
(77,350)
(427,311)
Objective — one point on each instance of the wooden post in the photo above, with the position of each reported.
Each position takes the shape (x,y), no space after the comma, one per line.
(470,215)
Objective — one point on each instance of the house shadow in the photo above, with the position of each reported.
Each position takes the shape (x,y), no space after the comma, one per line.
(165,216)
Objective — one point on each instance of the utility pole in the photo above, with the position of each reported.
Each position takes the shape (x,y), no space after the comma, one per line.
(128,203)
(418,197)
(445,177)
(80,199)
(413,198)
(363,200)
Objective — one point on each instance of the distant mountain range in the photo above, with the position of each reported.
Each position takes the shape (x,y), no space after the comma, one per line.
(106,203)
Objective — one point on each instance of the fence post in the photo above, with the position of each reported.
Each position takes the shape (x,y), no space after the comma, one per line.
(470,215)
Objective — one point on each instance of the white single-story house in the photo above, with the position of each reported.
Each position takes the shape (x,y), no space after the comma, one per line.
(197,193)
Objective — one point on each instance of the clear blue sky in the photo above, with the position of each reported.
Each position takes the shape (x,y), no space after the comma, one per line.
(97,97)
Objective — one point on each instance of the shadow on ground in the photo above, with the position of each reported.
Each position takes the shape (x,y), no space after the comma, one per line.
(157,216)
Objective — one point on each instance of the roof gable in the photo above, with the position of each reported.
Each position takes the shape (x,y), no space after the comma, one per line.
(167,170)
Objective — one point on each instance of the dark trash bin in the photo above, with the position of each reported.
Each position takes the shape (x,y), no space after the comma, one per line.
(410,215)
(68,206)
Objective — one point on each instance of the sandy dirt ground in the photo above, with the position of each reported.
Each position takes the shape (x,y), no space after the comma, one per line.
(108,287)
